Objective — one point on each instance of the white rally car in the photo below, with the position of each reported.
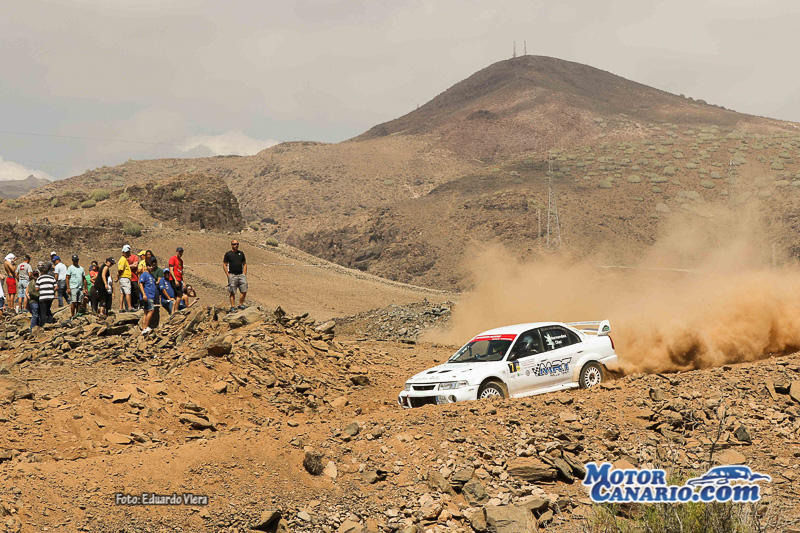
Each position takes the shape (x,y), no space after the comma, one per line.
(517,361)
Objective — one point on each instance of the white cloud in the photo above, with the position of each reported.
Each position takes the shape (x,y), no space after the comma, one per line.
(10,171)
(228,143)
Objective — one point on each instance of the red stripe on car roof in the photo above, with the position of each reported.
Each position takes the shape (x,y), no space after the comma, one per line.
(507,336)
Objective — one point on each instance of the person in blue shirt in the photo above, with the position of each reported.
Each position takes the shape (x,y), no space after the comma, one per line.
(147,286)
(167,292)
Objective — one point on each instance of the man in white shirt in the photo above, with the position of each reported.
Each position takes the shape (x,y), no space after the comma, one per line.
(60,273)
(24,271)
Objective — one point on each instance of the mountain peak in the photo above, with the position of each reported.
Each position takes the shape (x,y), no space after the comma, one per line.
(16,188)
(531,103)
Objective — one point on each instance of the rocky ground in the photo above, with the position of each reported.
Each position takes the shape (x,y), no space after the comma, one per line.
(287,426)
(397,322)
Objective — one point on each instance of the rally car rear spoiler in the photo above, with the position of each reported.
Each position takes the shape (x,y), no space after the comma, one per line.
(599,328)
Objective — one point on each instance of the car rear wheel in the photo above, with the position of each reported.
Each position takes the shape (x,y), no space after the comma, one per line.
(591,375)
(491,389)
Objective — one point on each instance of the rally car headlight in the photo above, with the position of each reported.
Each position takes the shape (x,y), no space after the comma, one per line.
(447,385)
(407,387)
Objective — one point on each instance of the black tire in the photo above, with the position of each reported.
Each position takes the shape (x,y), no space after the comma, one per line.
(490,390)
(592,375)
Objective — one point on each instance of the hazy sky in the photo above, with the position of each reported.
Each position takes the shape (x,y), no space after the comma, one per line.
(194,78)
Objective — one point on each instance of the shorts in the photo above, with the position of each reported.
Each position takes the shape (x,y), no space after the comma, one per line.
(11,283)
(178,290)
(125,285)
(237,281)
(148,304)
(76,295)
(21,286)
(102,297)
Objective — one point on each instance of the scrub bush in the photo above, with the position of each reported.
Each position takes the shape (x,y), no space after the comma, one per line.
(98,195)
(132,228)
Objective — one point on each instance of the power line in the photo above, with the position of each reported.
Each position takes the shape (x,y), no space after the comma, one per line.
(73,137)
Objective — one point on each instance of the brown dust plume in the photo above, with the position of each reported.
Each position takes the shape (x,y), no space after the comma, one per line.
(706,294)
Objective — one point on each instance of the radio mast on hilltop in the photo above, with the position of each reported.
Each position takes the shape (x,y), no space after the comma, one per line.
(553,225)
(514,54)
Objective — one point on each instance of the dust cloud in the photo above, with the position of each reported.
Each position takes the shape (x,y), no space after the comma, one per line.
(705,294)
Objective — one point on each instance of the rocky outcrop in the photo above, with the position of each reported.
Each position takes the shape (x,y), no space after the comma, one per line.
(28,238)
(195,201)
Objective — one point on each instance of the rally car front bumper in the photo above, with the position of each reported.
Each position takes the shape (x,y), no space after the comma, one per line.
(427,394)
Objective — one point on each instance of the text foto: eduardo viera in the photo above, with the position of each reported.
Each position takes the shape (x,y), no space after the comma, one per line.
(151,498)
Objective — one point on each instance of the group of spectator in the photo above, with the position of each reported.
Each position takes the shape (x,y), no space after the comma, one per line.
(142,285)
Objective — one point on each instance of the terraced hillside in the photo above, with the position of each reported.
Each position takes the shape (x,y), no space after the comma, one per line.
(617,198)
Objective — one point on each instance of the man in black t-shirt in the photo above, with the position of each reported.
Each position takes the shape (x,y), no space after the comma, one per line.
(235,266)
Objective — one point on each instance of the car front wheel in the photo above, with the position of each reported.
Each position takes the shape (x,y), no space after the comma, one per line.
(491,390)
(591,375)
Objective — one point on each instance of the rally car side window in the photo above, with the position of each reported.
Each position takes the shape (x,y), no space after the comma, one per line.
(529,343)
(555,337)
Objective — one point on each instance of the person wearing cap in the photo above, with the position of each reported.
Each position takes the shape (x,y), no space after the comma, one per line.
(11,280)
(23,271)
(124,279)
(167,292)
(60,273)
(141,266)
(52,255)
(76,281)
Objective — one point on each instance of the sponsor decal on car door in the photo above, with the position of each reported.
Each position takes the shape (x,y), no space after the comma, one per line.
(555,365)
(522,361)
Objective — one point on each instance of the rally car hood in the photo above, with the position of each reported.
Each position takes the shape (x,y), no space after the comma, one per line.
(445,372)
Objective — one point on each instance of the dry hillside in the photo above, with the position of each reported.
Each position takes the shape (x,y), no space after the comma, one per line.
(408,199)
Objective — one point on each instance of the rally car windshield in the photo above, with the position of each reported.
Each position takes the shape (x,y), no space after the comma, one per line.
(482,350)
